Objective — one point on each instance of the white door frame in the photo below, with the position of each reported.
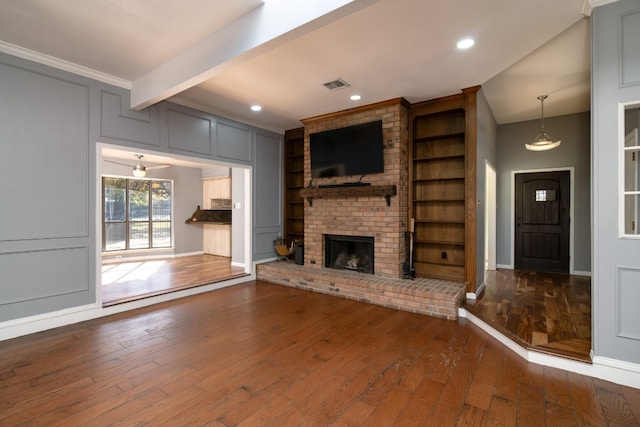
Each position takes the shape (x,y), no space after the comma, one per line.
(490,218)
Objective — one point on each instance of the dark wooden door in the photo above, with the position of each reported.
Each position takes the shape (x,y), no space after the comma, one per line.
(542,221)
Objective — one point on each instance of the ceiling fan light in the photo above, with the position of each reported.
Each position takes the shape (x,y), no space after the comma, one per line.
(139,171)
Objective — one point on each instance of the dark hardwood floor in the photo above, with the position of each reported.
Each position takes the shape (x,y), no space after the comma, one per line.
(544,312)
(259,354)
(131,280)
(550,313)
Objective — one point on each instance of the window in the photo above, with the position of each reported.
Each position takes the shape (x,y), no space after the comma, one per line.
(546,195)
(136,214)
(630,174)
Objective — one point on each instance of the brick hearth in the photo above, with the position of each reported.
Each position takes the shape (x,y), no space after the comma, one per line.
(437,298)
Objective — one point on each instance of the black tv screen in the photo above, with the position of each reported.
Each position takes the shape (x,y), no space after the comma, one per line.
(353,150)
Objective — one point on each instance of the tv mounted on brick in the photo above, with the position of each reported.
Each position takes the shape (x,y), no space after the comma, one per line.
(348,151)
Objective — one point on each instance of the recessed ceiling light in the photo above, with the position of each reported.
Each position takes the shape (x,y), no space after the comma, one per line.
(465,43)
(355,97)
(256,108)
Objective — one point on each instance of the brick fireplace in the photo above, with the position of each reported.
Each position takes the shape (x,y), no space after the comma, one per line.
(367,216)
(377,214)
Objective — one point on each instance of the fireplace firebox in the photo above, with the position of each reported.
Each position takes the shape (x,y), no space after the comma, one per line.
(353,253)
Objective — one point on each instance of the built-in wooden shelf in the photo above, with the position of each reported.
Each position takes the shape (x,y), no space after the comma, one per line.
(439,137)
(293,206)
(385,191)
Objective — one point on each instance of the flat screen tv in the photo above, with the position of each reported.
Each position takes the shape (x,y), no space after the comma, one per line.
(353,150)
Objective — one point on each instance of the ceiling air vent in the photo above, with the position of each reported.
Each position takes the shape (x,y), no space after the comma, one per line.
(336,84)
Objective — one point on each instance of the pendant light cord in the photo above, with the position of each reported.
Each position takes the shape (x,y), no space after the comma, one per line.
(542,98)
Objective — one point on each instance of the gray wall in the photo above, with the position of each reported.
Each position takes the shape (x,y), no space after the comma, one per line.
(574,131)
(47,243)
(267,219)
(486,152)
(616,272)
(50,122)
(187,191)
(216,171)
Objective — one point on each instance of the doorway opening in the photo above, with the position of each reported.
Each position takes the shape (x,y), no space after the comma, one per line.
(543,311)
(490,225)
(199,254)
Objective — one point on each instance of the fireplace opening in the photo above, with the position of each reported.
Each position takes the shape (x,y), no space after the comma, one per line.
(353,253)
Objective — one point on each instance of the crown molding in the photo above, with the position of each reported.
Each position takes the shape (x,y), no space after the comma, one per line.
(596,3)
(61,64)
(588,5)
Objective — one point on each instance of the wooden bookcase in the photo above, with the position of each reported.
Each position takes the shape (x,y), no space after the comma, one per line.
(442,187)
(293,184)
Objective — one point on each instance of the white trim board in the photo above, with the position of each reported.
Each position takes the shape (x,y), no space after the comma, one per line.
(60,64)
(114,260)
(616,371)
(42,322)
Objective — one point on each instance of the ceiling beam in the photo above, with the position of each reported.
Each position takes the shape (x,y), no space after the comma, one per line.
(266,27)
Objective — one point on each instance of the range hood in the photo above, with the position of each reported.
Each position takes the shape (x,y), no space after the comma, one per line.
(210,216)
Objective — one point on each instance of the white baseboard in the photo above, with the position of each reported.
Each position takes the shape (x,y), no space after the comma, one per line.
(42,322)
(473,295)
(581,273)
(113,260)
(237,264)
(188,254)
(616,371)
(505,266)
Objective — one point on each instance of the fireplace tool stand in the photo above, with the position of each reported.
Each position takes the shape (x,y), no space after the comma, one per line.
(408,272)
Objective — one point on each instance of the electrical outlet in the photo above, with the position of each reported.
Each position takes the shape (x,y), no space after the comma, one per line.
(443,255)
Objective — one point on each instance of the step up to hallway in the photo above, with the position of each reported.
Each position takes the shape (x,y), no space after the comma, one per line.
(432,297)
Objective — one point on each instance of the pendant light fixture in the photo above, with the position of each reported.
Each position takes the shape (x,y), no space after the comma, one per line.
(542,141)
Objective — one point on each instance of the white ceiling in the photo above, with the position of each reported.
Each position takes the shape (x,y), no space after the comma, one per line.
(222,56)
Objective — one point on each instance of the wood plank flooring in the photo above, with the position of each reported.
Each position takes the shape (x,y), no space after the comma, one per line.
(259,354)
(131,280)
(544,312)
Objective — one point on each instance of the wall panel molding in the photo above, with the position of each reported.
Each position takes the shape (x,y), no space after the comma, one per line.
(629,48)
(233,142)
(120,122)
(44,273)
(627,297)
(45,131)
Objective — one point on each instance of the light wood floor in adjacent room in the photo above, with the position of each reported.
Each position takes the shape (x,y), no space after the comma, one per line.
(544,312)
(131,280)
(258,354)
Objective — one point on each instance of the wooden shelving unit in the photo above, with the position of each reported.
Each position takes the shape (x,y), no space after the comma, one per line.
(441,188)
(293,184)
